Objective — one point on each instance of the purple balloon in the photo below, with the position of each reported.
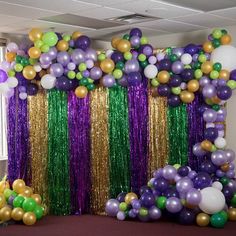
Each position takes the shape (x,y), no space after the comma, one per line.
(204,81)
(209,91)
(178,51)
(173,100)
(132,213)
(173,205)
(228,193)
(135,41)
(3,76)
(191,49)
(131,66)
(221,82)
(175,81)
(145,189)
(187,216)
(147,200)
(134,78)
(82,42)
(32,89)
(136,204)
(95,73)
(184,185)
(218,158)
(177,67)
(224,92)
(5,66)
(192,174)
(211,134)
(202,180)
(160,184)
(65,84)
(232,185)
(117,56)
(45,59)
(230,155)
(71,66)
(22,89)
(203,108)
(158,173)
(146,49)
(220,173)
(165,64)
(112,207)
(169,172)
(72,43)
(193,197)
(63,58)
(220,118)
(187,74)
(210,115)
(85,73)
(123,81)
(135,32)
(121,197)
(10,200)
(78,56)
(52,53)
(183,171)
(108,81)
(154,213)
(91,54)
(233,75)
(56,69)
(198,151)
(230,174)
(163,90)
(208,167)
(171,192)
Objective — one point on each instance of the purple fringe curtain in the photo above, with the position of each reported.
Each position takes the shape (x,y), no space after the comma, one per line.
(138,134)
(79,138)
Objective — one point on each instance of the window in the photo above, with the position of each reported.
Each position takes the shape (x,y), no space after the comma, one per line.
(3,118)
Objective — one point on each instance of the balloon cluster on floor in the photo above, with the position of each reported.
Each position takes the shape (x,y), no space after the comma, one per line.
(67,62)
(19,203)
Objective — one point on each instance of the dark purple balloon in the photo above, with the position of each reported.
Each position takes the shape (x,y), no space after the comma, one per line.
(65,84)
(173,100)
(211,134)
(58,36)
(224,92)
(228,193)
(117,56)
(187,216)
(165,64)
(175,81)
(187,74)
(145,189)
(208,167)
(135,32)
(121,197)
(134,78)
(163,90)
(203,108)
(32,89)
(147,200)
(202,180)
(191,49)
(233,75)
(10,200)
(183,171)
(171,192)
(123,81)
(83,42)
(160,184)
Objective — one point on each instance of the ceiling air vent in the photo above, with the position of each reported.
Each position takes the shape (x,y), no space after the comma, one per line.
(131,19)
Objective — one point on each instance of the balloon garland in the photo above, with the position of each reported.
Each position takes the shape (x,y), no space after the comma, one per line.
(19,203)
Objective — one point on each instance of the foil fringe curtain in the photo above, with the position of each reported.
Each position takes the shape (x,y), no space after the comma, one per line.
(99,150)
(58,154)
(37,109)
(119,141)
(158,138)
(79,133)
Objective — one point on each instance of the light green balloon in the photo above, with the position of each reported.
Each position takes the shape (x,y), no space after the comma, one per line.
(142,57)
(176,90)
(154,83)
(217,34)
(66,37)
(143,211)
(101,57)
(117,73)
(71,74)
(82,67)
(50,38)
(11,73)
(123,206)
(198,73)
(79,76)
(18,67)
(143,40)
(38,43)
(128,56)
(202,58)
(214,74)
(232,84)
(45,48)
(176,166)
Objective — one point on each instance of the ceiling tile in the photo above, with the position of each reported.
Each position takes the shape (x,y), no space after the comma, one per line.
(106,2)
(229,13)
(155,8)
(5,20)
(171,26)
(206,20)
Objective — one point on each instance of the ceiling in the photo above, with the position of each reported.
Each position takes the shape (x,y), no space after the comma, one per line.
(93,17)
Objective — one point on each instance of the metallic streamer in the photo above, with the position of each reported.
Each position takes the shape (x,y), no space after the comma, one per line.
(79,136)
(19,165)
(158,141)
(138,134)
(99,150)
(119,141)
(178,134)
(195,130)
(38,108)
(58,154)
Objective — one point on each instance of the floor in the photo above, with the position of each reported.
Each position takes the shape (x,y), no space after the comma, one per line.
(87,225)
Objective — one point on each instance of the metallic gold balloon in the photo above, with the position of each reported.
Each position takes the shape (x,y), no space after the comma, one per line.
(129,197)
(123,45)
(37,198)
(34,52)
(81,92)
(42,73)
(115,41)
(232,214)
(29,72)
(62,45)
(10,56)
(3,185)
(2,200)
(193,85)
(215,100)
(163,77)
(225,39)
(186,96)
(225,167)
(224,74)
(206,67)
(35,34)
(107,65)
(27,192)
(18,185)
(76,35)
(203,219)
(206,145)
(208,47)
(17,214)
(5,213)
(29,218)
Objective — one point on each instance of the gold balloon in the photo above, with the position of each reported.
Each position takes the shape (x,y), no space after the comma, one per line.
(225,39)
(35,34)
(17,214)
(206,145)
(215,100)
(224,74)
(208,47)
(62,45)
(193,85)
(3,185)
(115,41)
(203,219)
(186,96)
(163,76)
(76,35)
(18,185)
(10,56)
(27,192)
(29,218)
(129,197)
(42,73)
(37,198)
(123,45)
(81,92)
(29,72)
(107,65)
(225,167)
(5,213)
(232,214)
(206,67)
(2,200)
(34,52)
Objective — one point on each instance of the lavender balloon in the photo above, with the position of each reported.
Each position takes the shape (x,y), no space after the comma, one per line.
(218,157)
(198,151)
(178,51)
(158,173)
(154,213)
(169,172)
(91,54)
(131,66)
(95,73)
(135,41)
(209,91)
(123,81)
(184,185)
(57,70)
(204,81)
(52,53)
(210,115)
(108,81)
(177,67)
(120,215)
(112,207)
(78,56)
(230,174)
(230,155)
(45,59)
(193,197)
(63,58)
(173,205)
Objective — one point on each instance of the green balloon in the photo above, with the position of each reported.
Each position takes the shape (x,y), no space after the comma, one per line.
(143,211)
(232,84)
(79,76)
(18,201)
(123,206)
(117,73)
(218,220)
(101,57)
(7,193)
(216,43)
(38,43)
(154,82)
(44,48)
(161,202)
(24,61)
(143,40)
(224,214)
(66,37)
(143,64)
(173,57)
(120,65)
(216,107)
(50,38)
(224,180)
(233,201)
(18,58)
(197,65)
(214,74)
(217,33)
(128,56)
(202,58)
(126,36)
(176,90)
(91,87)
(223,31)
(18,67)
(217,66)
(84,81)
(71,74)
(82,67)
(32,61)
(38,211)
(29,204)
(91,81)
(198,74)
(142,57)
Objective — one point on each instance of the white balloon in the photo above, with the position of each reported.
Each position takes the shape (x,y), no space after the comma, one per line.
(226,55)
(23,96)
(210,125)
(186,58)
(48,81)
(4,88)
(150,71)
(12,82)
(37,68)
(221,133)
(220,142)
(213,200)
(218,185)
(109,52)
